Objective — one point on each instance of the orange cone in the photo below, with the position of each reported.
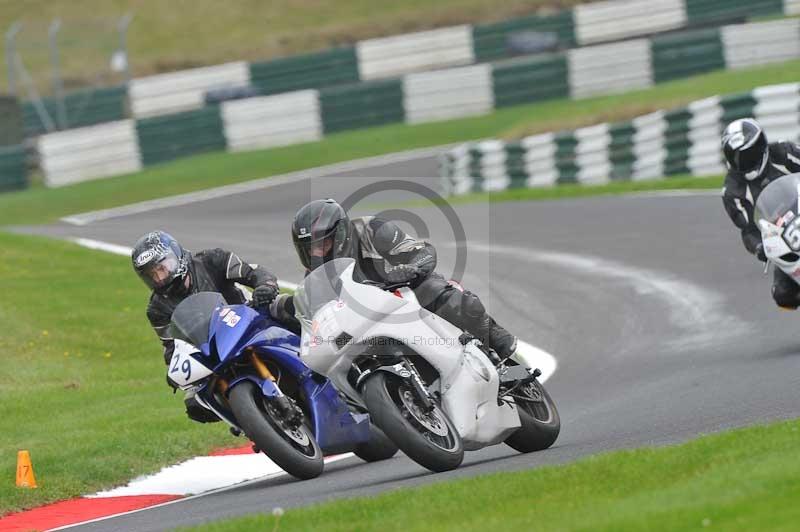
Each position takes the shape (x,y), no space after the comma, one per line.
(25,478)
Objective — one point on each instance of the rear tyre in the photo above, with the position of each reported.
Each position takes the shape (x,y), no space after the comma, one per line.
(429,439)
(539,417)
(379,447)
(294,449)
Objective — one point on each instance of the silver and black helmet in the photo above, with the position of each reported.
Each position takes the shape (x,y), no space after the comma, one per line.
(745,147)
(321,231)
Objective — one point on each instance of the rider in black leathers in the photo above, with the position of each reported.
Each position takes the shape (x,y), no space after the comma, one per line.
(753,163)
(174,273)
(322,231)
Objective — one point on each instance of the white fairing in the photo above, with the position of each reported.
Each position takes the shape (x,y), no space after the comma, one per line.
(184,369)
(777,215)
(775,247)
(468,381)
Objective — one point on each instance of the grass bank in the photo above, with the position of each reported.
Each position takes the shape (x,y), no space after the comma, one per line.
(740,480)
(40,205)
(82,380)
(678,182)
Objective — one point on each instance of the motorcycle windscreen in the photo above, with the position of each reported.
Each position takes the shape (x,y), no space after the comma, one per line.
(191,319)
(318,288)
(777,199)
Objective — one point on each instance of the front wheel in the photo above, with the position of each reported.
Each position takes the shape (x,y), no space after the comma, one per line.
(539,417)
(379,447)
(428,438)
(293,448)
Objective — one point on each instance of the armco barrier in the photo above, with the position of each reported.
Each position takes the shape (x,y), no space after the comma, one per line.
(259,122)
(491,41)
(609,68)
(269,121)
(426,50)
(308,71)
(13,171)
(524,80)
(395,56)
(705,11)
(361,105)
(755,44)
(11,130)
(684,140)
(446,94)
(184,90)
(603,21)
(686,54)
(82,108)
(83,154)
(164,138)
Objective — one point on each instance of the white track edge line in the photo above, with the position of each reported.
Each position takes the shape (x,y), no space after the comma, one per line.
(197,496)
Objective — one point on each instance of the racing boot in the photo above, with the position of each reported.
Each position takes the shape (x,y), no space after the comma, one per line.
(496,338)
(503,342)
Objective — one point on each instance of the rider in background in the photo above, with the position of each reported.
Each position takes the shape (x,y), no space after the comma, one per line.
(753,163)
(322,231)
(173,273)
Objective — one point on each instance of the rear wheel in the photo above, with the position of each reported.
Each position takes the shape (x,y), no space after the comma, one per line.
(539,417)
(379,447)
(428,438)
(291,446)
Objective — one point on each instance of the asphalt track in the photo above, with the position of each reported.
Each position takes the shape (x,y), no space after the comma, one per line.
(662,324)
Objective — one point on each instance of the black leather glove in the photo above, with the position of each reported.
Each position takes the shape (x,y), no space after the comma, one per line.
(401,274)
(169,350)
(264,294)
(198,413)
(759,253)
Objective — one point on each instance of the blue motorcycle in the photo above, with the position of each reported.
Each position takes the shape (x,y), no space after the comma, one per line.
(245,367)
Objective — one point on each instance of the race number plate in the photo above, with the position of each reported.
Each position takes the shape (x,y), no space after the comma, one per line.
(184,368)
(792,234)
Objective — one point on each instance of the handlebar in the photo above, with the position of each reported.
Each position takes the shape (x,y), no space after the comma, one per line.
(385,286)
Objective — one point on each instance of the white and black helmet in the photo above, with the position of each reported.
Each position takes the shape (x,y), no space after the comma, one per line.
(745,147)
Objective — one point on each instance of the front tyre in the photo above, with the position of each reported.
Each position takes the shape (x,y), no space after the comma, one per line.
(430,439)
(379,447)
(294,449)
(539,417)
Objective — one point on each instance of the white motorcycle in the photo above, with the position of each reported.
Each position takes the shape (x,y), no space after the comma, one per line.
(430,387)
(777,215)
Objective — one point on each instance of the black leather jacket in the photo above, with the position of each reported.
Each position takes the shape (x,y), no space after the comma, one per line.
(739,195)
(211,270)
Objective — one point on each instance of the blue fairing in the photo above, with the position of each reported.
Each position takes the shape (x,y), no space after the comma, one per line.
(235,328)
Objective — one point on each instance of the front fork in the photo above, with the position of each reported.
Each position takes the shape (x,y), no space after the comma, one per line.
(420,390)
(285,406)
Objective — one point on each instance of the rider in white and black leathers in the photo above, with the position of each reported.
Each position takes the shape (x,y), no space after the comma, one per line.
(174,273)
(322,231)
(753,163)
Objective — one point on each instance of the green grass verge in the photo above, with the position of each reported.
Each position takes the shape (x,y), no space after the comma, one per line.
(687,182)
(739,480)
(82,380)
(40,205)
